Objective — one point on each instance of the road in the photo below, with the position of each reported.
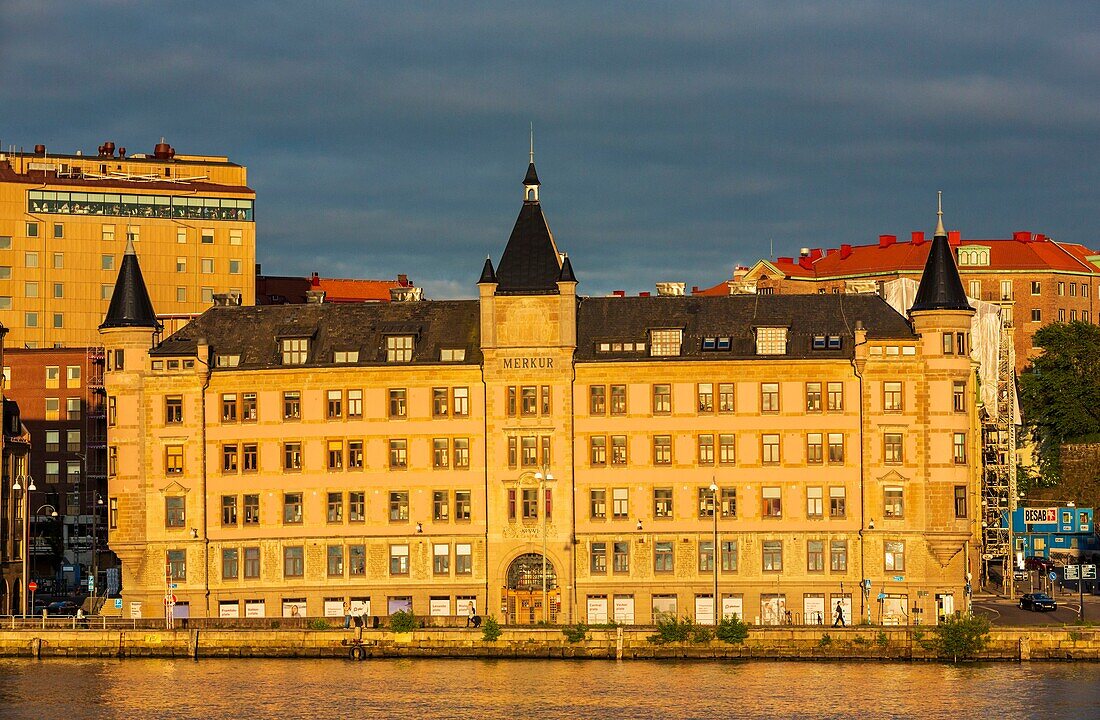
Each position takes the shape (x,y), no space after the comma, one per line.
(1002,611)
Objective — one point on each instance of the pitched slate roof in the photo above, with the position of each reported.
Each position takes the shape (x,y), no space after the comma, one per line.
(940,287)
(629,319)
(530,264)
(130,304)
(253,332)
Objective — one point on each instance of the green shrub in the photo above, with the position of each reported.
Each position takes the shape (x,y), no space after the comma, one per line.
(701,634)
(318,624)
(403,621)
(859,640)
(918,635)
(962,636)
(825,641)
(490,629)
(669,629)
(575,633)
(881,640)
(732,630)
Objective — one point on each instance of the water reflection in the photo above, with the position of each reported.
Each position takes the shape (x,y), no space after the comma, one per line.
(514,689)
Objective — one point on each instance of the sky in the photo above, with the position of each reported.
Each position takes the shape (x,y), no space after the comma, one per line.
(673,140)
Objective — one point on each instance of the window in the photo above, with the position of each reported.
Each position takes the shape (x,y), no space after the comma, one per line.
(355,404)
(769,397)
(891,448)
(662,399)
(295,351)
(206,294)
(30,289)
(958,395)
(53,409)
(959,448)
(528,396)
(292,456)
(729,556)
(1061,288)
(960,501)
(399,459)
(706,449)
(357,506)
(440,404)
(399,505)
(597,400)
(251,563)
(464,559)
(461,401)
(399,348)
(335,560)
(662,502)
(207,236)
(248,407)
(838,555)
(773,555)
(293,561)
(441,506)
(207,268)
(1036,287)
(838,502)
(836,396)
(292,508)
(511,401)
(234,267)
(1036,315)
(452,354)
(112,411)
(662,450)
(229,564)
(813,397)
(618,399)
(706,556)
(334,508)
(705,394)
(662,557)
(53,471)
(30,319)
(618,449)
(175,511)
(177,564)
(815,556)
(335,454)
(773,502)
(229,408)
(53,440)
(597,503)
(598,450)
(665,343)
(251,510)
(32,229)
(728,502)
(441,559)
(229,458)
(725,398)
(770,448)
(334,408)
(398,406)
(620,557)
(620,503)
(814,502)
(173,410)
(598,557)
(814,448)
(461,453)
(836,447)
(893,502)
(229,509)
(292,405)
(771,341)
(441,448)
(891,396)
(894,551)
(72,410)
(530,452)
(173,460)
(462,505)
(58,290)
(250,457)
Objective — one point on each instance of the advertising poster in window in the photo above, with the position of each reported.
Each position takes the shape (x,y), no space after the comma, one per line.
(399,604)
(135,610)
(334,608)
(255,609)
(845,601)
(773,609)
(704,609)
(439,606)
(813,610)
(895,609)
(733,606)
(462,606)
(360,606)
(294,608)
(230,609)
(664,606)
(597,609)
(624,609)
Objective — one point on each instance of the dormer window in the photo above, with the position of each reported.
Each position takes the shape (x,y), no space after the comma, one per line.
(227,360)
(665,343)
(716,343)
(973,255)
(295,351)
(771,341)
(452,354)
(399,348)
(343,357)
(826,342)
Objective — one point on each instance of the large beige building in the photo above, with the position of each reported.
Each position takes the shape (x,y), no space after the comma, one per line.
(619,457)
(65,220)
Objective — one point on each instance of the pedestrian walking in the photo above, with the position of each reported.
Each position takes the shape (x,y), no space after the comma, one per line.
(347,615)
(471,613)
(839,615)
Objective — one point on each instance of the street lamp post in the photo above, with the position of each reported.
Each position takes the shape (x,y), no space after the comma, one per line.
(544,476)
(24,507)
(715,557)
(53,514)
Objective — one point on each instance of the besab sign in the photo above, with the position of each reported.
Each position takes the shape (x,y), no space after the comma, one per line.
(1035,516)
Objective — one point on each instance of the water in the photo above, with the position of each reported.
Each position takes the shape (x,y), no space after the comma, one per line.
(519,689)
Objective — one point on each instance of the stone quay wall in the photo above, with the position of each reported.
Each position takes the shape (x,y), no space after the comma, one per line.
(864,643)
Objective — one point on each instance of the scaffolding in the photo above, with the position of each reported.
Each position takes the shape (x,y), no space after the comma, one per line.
(999,495)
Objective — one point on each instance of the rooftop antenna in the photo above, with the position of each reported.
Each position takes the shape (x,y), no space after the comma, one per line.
(939,213)
(532,142)
(771,248)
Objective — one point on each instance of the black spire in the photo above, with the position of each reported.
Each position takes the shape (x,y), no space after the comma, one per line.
(530,264)
(940,286)
(488,275)
(532,177)
(130,304)
(566,274)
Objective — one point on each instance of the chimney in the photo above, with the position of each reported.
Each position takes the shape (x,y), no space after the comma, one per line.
(954,237)
(39,149)
(1039,237)
(787,260)
(618,293)
(805,262)
(1021,236)
(694,289)
(670,289)
(917,238)
(403,280)
(845,251)
(885,241)
(643,294)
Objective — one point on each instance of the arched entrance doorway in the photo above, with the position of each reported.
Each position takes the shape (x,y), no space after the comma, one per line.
(523,585)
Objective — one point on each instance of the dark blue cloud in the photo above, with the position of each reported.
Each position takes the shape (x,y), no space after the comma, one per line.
(673,140)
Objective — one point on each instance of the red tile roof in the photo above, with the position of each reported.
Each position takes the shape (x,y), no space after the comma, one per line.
(283,289)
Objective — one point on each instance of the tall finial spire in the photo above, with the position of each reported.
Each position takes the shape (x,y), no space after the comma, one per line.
(939,214)
(532,142)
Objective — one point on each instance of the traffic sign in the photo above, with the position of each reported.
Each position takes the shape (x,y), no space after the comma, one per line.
(1053,576)
(1088,572)
(32,586)
(91,584)
(173,586)
(118,603)
(169,599)
(1073,572)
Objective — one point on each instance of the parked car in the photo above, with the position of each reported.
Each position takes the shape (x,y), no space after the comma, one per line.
(62,607)
(1040,564)
(1038,602)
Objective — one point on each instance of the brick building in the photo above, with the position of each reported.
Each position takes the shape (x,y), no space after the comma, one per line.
(291,290)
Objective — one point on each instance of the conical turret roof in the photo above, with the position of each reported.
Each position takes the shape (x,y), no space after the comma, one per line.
(130,303)
(940,286)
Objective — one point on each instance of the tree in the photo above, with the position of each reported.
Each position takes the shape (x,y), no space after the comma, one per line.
(1060,391)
